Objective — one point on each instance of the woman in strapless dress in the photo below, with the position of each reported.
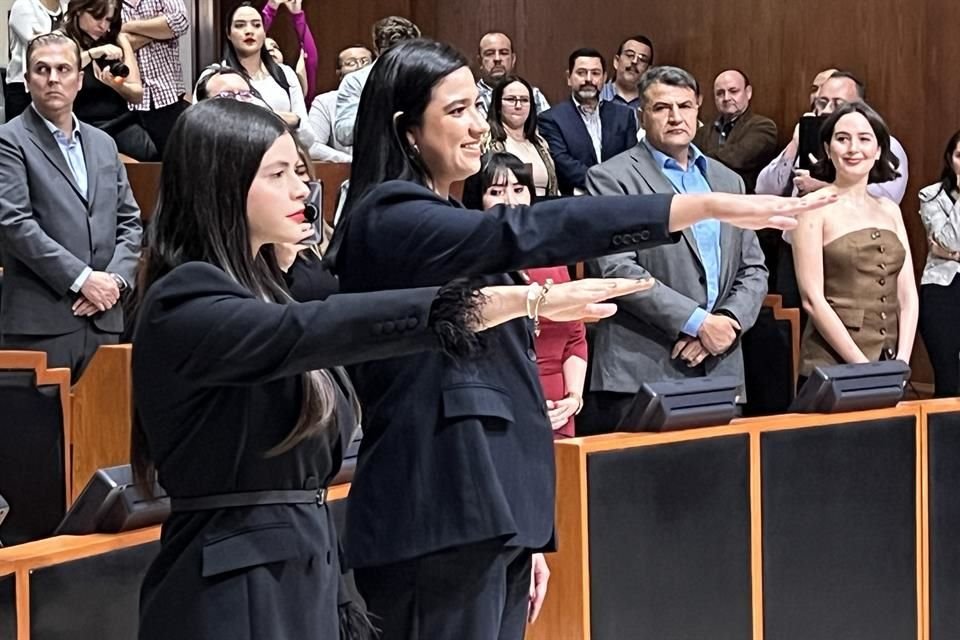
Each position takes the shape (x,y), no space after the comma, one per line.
(852,258)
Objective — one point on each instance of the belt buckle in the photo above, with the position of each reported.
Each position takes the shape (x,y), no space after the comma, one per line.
(321,496)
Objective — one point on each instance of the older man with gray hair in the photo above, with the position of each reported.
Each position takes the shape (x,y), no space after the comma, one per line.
(709,287)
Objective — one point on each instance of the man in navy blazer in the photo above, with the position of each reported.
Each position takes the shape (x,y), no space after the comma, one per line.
(585,131)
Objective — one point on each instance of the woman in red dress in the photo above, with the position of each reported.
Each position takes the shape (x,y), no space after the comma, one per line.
(561,346)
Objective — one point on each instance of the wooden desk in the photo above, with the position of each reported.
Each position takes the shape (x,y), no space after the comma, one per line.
(103,571)
(790,527)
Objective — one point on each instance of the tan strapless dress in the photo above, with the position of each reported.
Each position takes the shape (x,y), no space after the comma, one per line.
(860,272)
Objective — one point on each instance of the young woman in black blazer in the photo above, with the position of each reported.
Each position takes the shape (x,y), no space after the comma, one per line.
(239,407)
(454,486)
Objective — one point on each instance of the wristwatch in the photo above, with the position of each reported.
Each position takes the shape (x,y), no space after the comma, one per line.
(121,283)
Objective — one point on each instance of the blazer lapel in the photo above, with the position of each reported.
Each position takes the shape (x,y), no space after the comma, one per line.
(86,142)
(578,131)
(47,145)
(657,182)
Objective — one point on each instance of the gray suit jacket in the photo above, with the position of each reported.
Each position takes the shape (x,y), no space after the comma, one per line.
(634,346)
(49,232)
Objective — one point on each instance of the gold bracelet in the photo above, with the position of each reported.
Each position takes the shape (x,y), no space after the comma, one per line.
(541,300)
(533,294)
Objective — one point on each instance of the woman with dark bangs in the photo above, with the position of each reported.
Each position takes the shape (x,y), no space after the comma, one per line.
(103,100)
(852,257)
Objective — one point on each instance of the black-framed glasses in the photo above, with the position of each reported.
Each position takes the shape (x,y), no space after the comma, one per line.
(516,101)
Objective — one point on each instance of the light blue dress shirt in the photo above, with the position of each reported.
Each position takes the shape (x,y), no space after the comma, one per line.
(706,232)
(72,151)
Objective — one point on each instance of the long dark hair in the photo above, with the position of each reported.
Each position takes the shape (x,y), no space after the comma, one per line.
(495,114)
(394,98)
(98,9)
(493,170)
(884,169)
(232,60)
(948,177)
(201,216)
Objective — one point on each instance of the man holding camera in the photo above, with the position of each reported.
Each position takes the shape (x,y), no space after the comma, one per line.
(69,226)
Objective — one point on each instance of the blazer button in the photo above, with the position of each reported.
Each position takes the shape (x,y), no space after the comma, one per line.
(532,354)
(412,323)
(635,238)
(378,327)
(702,280)
(617,240)
(883,332)
(389,326)
(881,281)
(645,235)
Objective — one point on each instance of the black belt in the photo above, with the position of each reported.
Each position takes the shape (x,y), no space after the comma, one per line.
(249,499)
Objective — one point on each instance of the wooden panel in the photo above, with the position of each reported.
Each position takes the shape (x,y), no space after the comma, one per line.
(102,414)
(144,178)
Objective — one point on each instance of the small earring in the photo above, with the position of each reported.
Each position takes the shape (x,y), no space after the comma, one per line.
(415,148)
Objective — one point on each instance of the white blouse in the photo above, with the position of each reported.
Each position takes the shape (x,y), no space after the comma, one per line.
(278,99)
(28,19)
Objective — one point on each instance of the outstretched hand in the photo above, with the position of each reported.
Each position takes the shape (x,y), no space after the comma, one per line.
(583,299)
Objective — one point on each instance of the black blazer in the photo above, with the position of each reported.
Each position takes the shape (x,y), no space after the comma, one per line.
(461,451)
(216,385)
(570,144)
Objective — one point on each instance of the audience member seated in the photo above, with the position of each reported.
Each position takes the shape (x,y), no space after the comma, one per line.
(940,285)
(583,131)
(513,129)
(634,56)
(323,111)
(739,138)
(27,18)
(306,67)
(710,286)
(277,84)
(561,346)
(306,275)
(852,258)
(495,61)
(221,81)
(69,226)
(387,32)
(102,101)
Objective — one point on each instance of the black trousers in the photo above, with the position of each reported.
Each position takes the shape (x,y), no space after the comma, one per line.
(475,592)
(938,328)
(71,350)
(15,99)
(159,122)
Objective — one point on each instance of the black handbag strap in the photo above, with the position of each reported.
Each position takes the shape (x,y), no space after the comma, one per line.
(249,499)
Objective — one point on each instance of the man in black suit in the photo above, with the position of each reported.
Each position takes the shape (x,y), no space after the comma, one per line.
(584,131)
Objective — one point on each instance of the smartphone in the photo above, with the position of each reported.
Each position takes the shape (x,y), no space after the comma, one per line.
(312,210)
(809,140)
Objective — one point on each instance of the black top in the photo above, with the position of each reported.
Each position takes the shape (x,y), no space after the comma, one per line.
(461,451)
(96,103)
(216,385)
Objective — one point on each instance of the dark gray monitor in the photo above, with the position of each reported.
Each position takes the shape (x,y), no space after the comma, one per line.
(683,404)
(111,502)
(852,387)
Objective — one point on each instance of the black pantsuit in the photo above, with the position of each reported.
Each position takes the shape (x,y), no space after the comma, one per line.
(459,452)
(938,328)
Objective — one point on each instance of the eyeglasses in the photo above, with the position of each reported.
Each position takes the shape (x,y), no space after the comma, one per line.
(822,103)
(516,101)
(355,63)
(240,96)
(633,56)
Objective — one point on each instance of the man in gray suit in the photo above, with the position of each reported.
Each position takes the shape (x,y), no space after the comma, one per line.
(69,226)
(710,286)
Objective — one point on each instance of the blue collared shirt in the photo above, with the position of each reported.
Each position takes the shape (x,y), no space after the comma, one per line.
(706,232)
(72,151)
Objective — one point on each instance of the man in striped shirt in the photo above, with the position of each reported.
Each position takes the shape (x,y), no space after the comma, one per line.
(155,27)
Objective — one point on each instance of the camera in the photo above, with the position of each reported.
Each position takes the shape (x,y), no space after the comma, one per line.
(312,208)
(116,67)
